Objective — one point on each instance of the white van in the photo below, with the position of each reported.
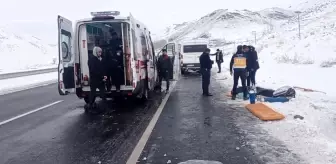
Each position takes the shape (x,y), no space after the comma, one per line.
(140,73)
(191,51)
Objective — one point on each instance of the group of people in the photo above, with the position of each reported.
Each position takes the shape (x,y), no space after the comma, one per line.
(105,66)
(243,65)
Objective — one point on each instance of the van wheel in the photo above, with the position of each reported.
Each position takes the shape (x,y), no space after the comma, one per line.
(87,99)
(182,72)
(145,95)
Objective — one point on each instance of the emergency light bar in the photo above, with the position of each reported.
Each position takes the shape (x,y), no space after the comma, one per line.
(105,13)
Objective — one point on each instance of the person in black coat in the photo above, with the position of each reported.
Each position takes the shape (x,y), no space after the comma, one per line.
(98,76)
(115,60)
(219,60)
(164,64)
(206,65)
(253,66)
(238,68)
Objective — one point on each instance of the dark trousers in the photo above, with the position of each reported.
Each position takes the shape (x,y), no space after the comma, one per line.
(237,73)
(164,74)
(206,74)
(117,76)
(219,64)
(93,90)
(251,78)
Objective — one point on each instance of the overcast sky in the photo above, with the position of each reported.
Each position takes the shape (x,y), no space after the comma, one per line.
(156,14)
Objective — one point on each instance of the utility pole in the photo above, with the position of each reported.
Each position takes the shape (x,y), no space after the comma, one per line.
(298,13)
(255,37)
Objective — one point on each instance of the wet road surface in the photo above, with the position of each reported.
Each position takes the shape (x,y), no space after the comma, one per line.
(190,127)
(195,127)
(63,134)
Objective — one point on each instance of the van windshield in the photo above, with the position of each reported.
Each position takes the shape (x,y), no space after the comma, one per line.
(194,48)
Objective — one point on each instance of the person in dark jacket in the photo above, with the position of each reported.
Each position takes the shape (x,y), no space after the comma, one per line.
(253,66)
(206,65)
(117,69)
(219,60)
(164,64)
(239,66)
(115,60)
(115,43)
(98,76)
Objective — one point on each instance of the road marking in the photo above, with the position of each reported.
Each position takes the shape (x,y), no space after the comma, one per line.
(30,112)
(145,136)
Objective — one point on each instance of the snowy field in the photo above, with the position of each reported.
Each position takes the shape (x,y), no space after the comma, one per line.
(307,63)
(21,52)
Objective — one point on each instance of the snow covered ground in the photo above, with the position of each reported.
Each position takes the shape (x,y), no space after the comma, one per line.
(27,82)
(21,52)
(307,63)
(313,137)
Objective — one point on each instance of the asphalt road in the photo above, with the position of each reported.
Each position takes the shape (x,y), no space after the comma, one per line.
(190,127)
(63,133)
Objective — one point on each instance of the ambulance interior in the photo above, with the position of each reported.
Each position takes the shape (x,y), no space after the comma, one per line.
(100,34)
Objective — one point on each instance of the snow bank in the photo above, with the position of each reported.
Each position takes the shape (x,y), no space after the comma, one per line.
(27,82)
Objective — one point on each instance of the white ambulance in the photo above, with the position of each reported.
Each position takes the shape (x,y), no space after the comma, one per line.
(77,42)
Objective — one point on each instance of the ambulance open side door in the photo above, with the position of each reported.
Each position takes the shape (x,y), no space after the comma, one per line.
(66,66)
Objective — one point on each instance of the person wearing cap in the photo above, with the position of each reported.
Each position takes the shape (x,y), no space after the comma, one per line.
(219,60)
(239,66)
(164,64)
(206,65)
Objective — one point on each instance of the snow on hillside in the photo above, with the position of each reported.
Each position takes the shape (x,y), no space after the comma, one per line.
(287,60)
(226,26)
(23,52)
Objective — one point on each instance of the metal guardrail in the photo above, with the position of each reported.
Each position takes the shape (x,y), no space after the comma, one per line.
(26,73)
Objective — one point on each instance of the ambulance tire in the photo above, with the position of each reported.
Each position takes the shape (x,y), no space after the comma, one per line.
(145,92)
(145,95)
(87,99)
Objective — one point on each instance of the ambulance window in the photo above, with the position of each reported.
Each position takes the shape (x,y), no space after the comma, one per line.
(143,45)
(170,49)
(134,40)
(66,45)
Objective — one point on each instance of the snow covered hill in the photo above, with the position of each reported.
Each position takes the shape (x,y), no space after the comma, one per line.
(223,26)
(20,52)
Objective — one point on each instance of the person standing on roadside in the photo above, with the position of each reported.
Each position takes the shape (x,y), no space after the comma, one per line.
(164,64)
(206,65)
(219,60)
(253,66)
(239,67)
(98,76)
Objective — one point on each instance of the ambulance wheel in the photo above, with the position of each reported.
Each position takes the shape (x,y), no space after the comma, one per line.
(145,95)
(87,99)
